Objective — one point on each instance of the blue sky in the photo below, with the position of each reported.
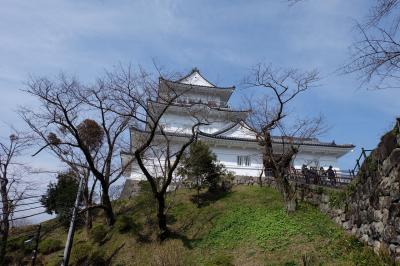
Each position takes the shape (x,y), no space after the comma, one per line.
(222,38)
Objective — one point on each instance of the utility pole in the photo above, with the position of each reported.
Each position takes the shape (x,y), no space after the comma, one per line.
(71,231)
(35,251)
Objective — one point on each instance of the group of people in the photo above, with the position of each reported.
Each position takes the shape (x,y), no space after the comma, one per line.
(318,176)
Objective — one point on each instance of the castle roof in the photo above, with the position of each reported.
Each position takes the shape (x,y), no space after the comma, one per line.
(176,106)
(195,78)
(195,82)
(275,139)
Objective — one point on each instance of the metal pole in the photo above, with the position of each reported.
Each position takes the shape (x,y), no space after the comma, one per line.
(71,231)
(35,251)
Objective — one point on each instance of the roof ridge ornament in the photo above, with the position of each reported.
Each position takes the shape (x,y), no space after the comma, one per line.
(195,78)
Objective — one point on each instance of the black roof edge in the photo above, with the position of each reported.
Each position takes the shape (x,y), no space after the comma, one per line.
(232,88)
(321,144)
(215,108)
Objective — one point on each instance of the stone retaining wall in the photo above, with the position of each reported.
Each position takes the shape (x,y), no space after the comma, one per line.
(131,188)
(371,226)
(369,207)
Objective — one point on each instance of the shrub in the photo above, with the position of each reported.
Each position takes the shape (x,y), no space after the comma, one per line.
(97,258)
(53,261)
(169,253)
(80,253)
(201,169)
(48,246)
(14,244)
(366,257)
(98,233)
(145,200)
(18,244)
(371,164)
(352,187)
(320,190)
(125,224)
(20,257)
(222,260)
(337,199)
(227,182)
(60,197)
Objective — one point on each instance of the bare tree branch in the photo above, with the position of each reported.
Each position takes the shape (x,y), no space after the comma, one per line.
(269,114)
(76,124)
(12,188)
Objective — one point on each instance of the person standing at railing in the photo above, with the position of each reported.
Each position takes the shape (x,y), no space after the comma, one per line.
(322,175)
(314,175)
(292,173)
(305,173)
(331,175)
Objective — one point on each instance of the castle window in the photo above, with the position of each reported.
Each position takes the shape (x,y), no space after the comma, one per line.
(243,160)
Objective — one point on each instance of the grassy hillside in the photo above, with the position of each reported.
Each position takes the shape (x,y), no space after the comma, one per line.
(245,227)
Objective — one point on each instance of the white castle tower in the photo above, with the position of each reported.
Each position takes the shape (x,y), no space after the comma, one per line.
(228,136)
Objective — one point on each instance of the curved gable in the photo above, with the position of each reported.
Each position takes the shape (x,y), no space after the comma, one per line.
(196,79)
(240,130)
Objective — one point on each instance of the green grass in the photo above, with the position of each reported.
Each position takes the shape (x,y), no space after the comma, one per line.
(245,227)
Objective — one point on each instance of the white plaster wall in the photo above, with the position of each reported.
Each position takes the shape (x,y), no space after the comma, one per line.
(136,173)
(204,98)
(322,160)
(154,162)
(183,124)
(177,123)
(228,156)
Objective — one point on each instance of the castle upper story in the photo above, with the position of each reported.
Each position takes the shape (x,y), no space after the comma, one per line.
(195,89)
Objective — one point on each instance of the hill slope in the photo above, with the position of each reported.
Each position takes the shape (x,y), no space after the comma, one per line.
(245,227)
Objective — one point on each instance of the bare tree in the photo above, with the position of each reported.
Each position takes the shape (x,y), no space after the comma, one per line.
(270,114)
(75,123)
(155,149)
(376,55)
(88,194)
(376,58)
(12,188)
(160,171)
(383,9)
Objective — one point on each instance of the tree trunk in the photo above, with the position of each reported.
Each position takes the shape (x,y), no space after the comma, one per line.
(4,223)
(162,218)
(89,220)
(198,193)
(291,204)
(280,164)
(88,202)
(105,200)
(3,244)
(260,179)
(288,193)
